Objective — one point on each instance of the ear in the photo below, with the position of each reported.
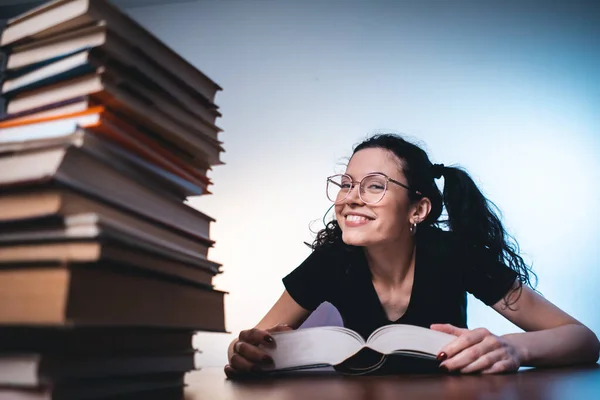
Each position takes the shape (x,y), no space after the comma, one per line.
(420,211)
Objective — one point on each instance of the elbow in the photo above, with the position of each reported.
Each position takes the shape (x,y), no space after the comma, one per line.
(592,347)
(584,348)
(596,347)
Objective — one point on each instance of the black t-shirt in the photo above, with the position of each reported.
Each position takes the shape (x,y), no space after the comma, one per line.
(446,269)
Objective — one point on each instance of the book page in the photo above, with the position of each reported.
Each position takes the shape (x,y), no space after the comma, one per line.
(393,338)
(313,346)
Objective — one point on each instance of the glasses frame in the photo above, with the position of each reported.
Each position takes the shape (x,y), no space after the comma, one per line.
(359,184)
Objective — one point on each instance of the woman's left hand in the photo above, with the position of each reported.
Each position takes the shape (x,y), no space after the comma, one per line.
(477,350)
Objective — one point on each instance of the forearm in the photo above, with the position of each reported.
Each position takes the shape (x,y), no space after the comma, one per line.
(565,345)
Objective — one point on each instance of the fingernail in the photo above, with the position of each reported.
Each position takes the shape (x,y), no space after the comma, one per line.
(267,360)
(268,339)
(442,356)
(443,368)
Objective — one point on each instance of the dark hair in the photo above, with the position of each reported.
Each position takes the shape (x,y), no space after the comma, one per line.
(470,215)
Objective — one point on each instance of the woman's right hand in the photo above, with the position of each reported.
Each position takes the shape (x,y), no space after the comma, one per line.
(247,358)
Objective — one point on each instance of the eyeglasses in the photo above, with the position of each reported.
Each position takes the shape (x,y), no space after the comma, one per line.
(372,187)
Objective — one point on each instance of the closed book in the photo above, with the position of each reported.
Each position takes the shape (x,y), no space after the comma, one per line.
(61,123)
(103,140)
(97,36)
(63,15)
(90,60)
(54,109)
(146,387)
(74,168)
(94,227)
(73,65)
(34,214)
(127,99)
(174,266)
(32,370)
(101,295)
(90,227)
(94,341)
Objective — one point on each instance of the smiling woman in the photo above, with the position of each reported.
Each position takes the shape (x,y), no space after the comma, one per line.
(387,258)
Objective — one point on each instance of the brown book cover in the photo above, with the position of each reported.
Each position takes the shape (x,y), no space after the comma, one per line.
(199,271)
(99,295)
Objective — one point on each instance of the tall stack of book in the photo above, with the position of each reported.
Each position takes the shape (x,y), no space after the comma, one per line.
(104,270)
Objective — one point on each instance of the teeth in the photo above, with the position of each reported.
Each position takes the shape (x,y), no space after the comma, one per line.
(355,218)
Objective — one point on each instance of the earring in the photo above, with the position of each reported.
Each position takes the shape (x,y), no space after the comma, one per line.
(413,227)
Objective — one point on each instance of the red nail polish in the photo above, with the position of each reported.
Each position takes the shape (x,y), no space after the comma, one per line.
(443,368)
(268,339)
(442,356)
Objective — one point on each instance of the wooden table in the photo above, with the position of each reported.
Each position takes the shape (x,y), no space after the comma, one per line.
(532,384)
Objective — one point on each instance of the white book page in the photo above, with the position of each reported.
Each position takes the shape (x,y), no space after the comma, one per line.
(30,166)
(19,369)
(391,338)
(54,129)
(56,46)
(47,71)
(313,346)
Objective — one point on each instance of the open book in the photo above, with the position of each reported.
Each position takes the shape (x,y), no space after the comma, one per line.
(390,349)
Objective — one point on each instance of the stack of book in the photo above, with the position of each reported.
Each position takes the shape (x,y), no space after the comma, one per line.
(104,269)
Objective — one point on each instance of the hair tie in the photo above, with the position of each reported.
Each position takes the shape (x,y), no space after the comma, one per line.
(438,170)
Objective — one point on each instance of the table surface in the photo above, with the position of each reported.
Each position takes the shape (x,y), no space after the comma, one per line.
(531,384)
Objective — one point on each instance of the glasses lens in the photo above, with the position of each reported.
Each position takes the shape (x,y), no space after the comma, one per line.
(373,188)
(338,187)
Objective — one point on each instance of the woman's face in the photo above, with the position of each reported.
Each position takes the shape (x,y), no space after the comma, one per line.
(374,224)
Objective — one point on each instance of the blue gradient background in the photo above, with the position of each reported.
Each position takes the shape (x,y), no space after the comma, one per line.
(510,90)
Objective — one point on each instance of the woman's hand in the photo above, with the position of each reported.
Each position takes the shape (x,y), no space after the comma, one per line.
(477,350)
(247,358)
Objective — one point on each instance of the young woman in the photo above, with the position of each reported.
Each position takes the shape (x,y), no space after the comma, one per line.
(384,259)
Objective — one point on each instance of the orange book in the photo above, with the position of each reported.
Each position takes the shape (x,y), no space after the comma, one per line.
(125,97)
(46,117)
(106,124)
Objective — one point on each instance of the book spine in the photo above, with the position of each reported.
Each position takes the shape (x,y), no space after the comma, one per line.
(4,51)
